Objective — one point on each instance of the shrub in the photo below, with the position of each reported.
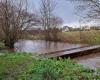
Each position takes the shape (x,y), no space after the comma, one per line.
(49,69)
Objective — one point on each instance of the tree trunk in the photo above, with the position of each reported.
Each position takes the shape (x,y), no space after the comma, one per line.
(9,44)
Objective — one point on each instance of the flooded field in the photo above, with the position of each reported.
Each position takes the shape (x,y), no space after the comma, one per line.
(41,46)
(91,61)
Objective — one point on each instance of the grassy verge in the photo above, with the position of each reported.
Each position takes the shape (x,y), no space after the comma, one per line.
(84,37)
(87,37)
(12,65)
(24,67)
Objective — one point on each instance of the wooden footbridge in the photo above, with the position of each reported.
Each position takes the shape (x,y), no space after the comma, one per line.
(75,52)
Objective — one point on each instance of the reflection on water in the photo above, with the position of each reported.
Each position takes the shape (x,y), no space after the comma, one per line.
(92,60)
(41,46)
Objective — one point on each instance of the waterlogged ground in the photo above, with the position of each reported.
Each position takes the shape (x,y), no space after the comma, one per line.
(92,60)
(41,46)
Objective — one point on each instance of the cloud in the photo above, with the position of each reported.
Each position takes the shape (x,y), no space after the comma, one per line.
(64,9)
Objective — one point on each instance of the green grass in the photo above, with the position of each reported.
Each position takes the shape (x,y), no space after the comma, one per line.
(11,65)
(24,67)
(59,70)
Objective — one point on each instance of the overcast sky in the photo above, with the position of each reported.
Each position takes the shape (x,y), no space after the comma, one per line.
(64,9)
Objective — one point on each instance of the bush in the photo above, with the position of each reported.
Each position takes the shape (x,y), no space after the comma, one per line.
(49,69)
(1,45)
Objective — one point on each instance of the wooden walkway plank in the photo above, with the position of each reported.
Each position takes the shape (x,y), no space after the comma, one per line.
(74,52)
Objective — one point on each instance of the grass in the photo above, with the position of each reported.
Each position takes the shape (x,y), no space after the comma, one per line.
(33,37)
(85,37)
(70,37)
(17,66)
(12,65)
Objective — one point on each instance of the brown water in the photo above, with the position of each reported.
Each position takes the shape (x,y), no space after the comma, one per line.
(91,61)
(41,46)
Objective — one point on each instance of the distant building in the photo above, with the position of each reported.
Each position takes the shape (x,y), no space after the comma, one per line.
(87,28)
(65,29)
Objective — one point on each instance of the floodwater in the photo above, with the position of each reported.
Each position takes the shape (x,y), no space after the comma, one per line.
(41,46)
(92,61)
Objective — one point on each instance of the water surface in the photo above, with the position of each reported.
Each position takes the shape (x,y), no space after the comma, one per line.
(41,46)
(92,61)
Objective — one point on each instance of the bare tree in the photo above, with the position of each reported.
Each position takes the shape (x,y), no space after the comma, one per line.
(88,10)
(50,23)
(46,10)
(56,23)
(14,20)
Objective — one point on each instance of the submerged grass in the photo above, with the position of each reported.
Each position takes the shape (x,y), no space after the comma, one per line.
(24,67)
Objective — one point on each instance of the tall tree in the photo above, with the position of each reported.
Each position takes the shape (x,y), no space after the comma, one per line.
(89,10)
(48,19)
(56,23)
(14,20)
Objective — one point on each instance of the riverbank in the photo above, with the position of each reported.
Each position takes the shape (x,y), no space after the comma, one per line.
(76,37)
(15,66)
(83,37)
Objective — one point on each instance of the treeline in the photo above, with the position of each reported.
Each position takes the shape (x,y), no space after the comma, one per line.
(15,19)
